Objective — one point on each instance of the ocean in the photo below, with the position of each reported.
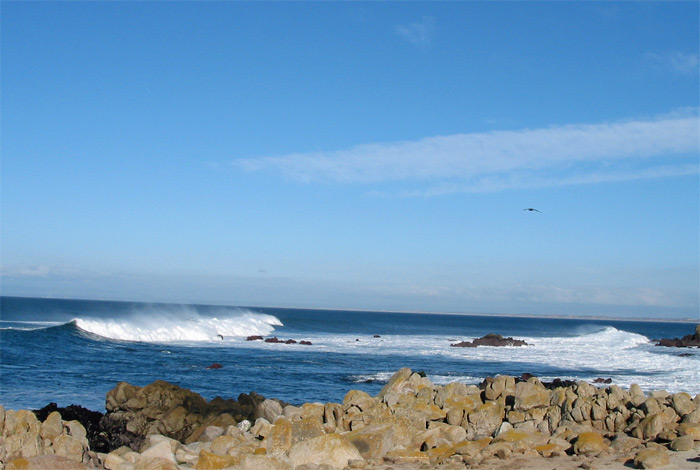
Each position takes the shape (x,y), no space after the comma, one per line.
(75,351)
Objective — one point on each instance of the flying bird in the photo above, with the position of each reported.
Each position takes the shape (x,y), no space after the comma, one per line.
(530,209)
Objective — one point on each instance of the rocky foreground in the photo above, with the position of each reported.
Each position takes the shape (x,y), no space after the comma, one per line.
(411,424)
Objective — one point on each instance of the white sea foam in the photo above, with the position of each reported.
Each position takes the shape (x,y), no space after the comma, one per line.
(607,352)
(181,326)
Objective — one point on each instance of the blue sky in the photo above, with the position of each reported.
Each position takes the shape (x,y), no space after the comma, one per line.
(354,155)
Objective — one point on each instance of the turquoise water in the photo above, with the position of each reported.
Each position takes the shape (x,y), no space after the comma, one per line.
(73,351)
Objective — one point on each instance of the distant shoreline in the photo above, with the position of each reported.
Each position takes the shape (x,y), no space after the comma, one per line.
(409,312)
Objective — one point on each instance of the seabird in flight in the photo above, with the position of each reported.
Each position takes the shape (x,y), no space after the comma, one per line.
(530,209)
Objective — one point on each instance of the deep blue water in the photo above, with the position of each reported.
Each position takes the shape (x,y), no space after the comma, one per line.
(73,351)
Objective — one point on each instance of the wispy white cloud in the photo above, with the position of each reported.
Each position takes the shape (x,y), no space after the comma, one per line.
(500,160)
(418,33)
(680,62)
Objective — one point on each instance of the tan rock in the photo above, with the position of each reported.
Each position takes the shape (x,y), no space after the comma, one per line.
(439,454)
(263,462)
(279,439)
(406,456)
(268,409)
(651,458)
(210,461)
(550,450)
(312,411)
(682,443)
(521,440)
(589,443)
(43,462)
(161,450)
(472,448)
(484,421)
(307,428)
(331,449)
(20,421)
(499,385)
(222,444)
(155,463)
(530,394)
(372,441)
(2,420)
(70,447)
(692,417)
(624,443)
(395,382)
(52,427)
(649,427)
(689,429)
(682,403)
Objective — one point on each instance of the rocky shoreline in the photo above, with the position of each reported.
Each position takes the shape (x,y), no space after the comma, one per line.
(412,423)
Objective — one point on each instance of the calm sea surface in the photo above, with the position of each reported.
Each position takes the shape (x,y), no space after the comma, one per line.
(75,351)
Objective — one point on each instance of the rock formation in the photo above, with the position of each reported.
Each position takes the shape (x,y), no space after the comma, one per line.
(688,341)
(411,421)
(490,340)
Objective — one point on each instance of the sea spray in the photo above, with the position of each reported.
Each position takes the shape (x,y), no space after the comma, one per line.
(184,326)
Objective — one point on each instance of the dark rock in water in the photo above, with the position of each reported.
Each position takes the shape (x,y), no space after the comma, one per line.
(305,343)
(685,355)
(601,380)
(88,418)
(526,376)
(254,338)
(490,340)
(290,341)
(558,383)
(274,339)
(688,341)
(216,365)
(376,336)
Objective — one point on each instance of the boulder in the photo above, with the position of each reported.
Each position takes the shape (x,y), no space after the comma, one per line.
(651,458)
(211,461)
(44,462)
(490,340)
(682,443)
(530,394)
(331,449)
(589,443)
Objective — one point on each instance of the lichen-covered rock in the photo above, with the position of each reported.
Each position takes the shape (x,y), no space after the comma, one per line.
(530,394)
(589,443)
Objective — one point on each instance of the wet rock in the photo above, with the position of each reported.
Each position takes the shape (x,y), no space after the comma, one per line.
(490,340)
(254,338)
(688,341)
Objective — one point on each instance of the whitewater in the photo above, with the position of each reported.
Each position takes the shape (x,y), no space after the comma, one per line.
(73,352)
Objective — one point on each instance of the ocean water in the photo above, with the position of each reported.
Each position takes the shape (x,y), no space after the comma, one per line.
(74,351)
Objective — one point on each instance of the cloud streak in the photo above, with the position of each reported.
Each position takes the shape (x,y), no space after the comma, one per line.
(501,160)
(418,33)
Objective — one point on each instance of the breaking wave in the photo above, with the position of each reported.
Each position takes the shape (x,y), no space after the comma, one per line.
(186,326)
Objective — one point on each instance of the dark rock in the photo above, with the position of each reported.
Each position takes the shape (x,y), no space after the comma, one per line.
(376,336)
(88,418)
(305,343)
(290,341)
(216,365)
(274,339)
(254,338)
(490,340)
(601,380)
(688,341)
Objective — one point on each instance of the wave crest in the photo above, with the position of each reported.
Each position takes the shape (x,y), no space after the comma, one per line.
(165,328)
